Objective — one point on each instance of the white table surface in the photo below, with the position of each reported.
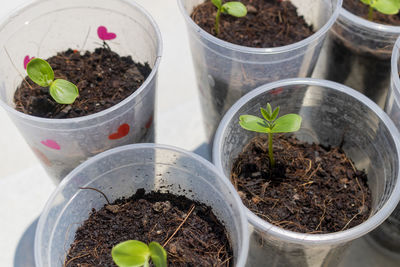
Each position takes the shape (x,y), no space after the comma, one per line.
(24,185)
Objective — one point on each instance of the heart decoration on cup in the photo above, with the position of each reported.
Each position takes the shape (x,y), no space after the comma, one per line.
(122,131)
(149,122)
(51,144)
(104,34)
(277,91)
(26,60)
(42,156)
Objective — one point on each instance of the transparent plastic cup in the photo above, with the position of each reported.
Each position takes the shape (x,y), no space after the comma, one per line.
(43,28)
(226,71)
(118,173)
(333,114)
(357,53)
(388,233)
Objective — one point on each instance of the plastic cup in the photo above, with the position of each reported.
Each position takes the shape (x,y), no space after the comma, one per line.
(119,173)
(226,71)
(357,53)
(43,28)
(333,114)
(388,233)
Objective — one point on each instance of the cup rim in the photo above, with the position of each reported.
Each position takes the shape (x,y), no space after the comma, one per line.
(395,69)
(253,50)
(241,257)
(143,89)
(310,239)
(374,26)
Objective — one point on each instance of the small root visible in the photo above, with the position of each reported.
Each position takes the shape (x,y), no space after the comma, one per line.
(74,258)
(360,210)
(179,227)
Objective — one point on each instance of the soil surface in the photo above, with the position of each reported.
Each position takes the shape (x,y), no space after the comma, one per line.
(268,23)
(200,241)
(102,77)
(312,189)
(360,9)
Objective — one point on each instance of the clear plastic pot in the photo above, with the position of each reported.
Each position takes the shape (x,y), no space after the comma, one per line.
(43,28)
(333,114)
(388,234)
(118,173)
(357,53)
(226,71)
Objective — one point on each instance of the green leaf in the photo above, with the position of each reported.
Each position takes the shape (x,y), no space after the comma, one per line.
(63,92)
(253,123)
(265,114)
(367,2)
(131,253)
(275,114)
(269,109)
(287,123)
(217,3)
(235,9)
(388,7)
(40,72)
(158,254)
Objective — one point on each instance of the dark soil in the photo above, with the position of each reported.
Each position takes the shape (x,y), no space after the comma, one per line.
(201,241)
(312,189)
(358,8)
(102,77)
(268,23)
(360,67)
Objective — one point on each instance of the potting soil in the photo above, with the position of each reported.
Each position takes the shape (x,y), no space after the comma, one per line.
(271,23)
(103,79)
(200,241)
(312,189)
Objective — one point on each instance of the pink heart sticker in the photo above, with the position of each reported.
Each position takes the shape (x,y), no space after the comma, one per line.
(104,34)
(51,144)
(26,60)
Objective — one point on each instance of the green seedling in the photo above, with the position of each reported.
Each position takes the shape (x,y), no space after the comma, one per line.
(388,7)
(41,73)
(236,9)
(271,124)
(134,253)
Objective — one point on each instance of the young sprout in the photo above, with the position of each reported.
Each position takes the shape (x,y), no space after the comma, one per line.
(134,253)
(388,7)
(235,9)
(271,124)
(41,73)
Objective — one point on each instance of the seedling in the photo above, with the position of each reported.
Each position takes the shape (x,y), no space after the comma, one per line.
(236,9)
(134,253)
(388,7)
(271,124)
(41,73)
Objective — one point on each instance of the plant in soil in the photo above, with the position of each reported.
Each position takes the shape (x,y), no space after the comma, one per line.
(189,232)
(236,9)
(271,23)
(134,253)
(307,188)
(388,7)
(41,73)
(271,124)
(103,77)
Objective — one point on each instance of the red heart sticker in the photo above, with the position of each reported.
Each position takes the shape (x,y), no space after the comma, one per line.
(104,34)
(149,122)
(277,91)
(123,130)
(26,60)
